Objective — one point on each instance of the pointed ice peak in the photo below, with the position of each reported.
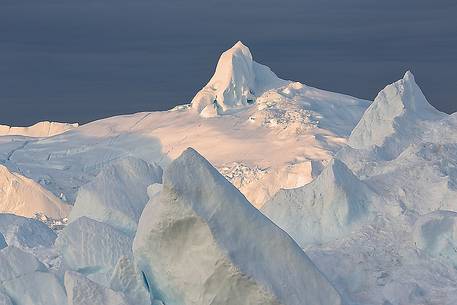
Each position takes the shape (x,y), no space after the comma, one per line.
(405,94)
(399,106)
(329,207)
(190,168)
(413,98)
(240,44)
(191,156)
(237,57)
(409,76)
(241,48)
(336,172)
(220,232)
(338,167)
(237,81)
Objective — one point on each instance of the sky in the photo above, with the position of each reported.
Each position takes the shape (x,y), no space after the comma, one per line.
(78,61)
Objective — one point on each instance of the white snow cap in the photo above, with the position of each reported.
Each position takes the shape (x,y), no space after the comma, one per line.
(238,80)
(214,247)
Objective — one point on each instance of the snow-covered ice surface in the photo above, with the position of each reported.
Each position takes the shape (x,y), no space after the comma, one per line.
(368,191)
(39,130)
(402,159)
(209,245)
(23,196)
(297,127)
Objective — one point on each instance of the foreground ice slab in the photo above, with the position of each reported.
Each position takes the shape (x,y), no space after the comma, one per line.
(82,291)
(201,242)
(26,281)
(24,197)
(15,263)
(126,278)
(117,195)
(26,233)
(37,288)
(93,248)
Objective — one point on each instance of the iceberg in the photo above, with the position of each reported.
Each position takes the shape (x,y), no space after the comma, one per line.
(82,291)
(118,194)
(237,82)
(201,242)
(26,233)
(92,248)
(329,207)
